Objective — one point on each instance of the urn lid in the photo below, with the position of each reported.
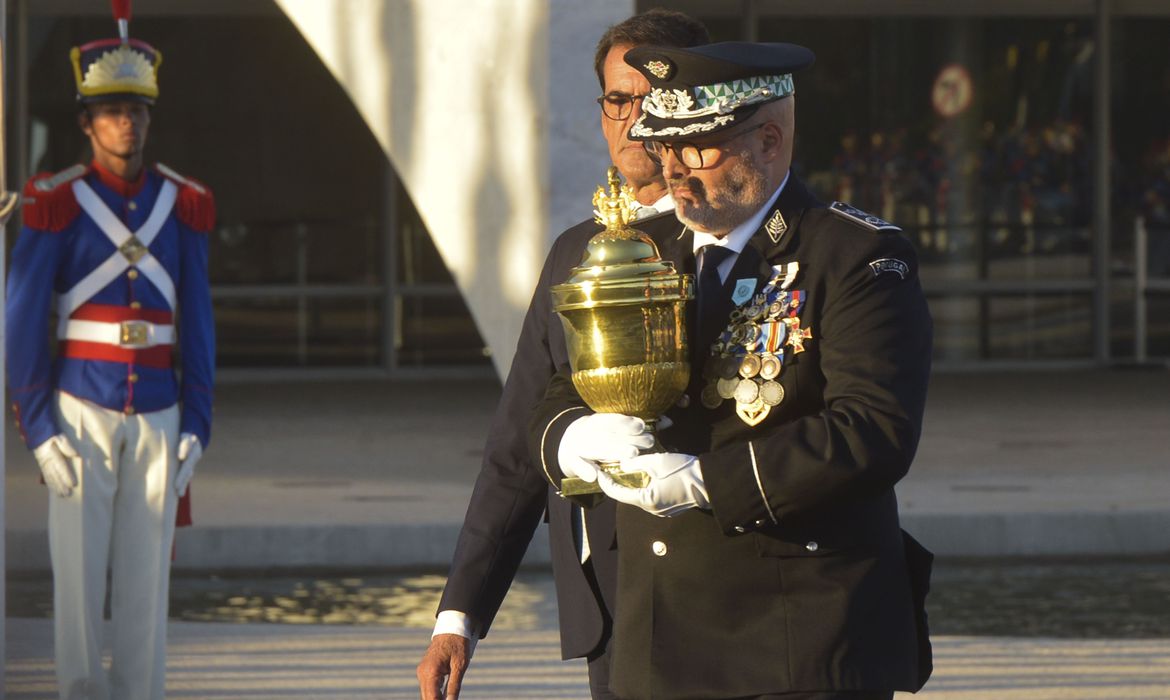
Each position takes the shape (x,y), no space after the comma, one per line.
(621,265)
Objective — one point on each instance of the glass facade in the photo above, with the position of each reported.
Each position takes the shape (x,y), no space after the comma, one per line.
(974,132)
(1141,101)
(973,135)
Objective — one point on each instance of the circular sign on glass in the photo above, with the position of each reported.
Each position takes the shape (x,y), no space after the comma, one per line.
(952,91)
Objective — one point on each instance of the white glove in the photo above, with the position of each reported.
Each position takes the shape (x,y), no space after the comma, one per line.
(54,456)
(676,484)
(600,437)
(190,451)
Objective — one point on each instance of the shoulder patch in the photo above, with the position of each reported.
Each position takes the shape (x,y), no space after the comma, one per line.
(889,265)
(47,204)
(856,215)
(196,204)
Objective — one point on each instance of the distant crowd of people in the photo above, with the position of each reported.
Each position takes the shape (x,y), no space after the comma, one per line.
(1030,185)
(1029,188)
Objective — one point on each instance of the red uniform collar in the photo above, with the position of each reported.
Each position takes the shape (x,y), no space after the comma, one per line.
(122,187)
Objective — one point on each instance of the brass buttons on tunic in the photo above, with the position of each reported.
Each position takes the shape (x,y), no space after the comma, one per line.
(659,548)
(812,546)
(132,274)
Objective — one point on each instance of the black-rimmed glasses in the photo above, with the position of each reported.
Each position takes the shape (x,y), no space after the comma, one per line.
(617,105)
(695,156)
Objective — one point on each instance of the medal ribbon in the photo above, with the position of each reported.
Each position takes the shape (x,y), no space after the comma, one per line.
(772,335)
(796,303)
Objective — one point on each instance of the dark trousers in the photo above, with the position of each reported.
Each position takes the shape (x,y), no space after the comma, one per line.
(599,676)
(828,695)
(599,660)
(599,687)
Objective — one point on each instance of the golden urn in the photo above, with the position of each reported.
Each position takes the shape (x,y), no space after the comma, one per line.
(624,314)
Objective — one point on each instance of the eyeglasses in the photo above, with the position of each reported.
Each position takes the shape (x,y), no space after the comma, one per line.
(617,105)
(694,156)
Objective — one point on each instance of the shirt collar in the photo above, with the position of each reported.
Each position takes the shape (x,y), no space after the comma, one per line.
(124,188)
(664,204)
(740,235)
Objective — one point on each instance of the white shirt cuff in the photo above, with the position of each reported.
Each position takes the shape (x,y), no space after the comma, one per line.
(454,622)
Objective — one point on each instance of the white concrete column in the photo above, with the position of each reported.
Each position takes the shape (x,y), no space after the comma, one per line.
(577,155)
(484,109)
(454,92)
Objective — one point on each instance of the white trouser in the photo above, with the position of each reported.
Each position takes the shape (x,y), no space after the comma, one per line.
(120,516)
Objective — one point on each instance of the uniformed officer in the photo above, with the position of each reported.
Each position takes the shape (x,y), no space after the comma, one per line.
(118,253)
(765,557)
(511,492)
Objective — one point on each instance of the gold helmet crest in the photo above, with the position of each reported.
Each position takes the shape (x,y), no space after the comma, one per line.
(112,69)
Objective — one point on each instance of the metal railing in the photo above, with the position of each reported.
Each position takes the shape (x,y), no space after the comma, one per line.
(1144,283)
(976,247)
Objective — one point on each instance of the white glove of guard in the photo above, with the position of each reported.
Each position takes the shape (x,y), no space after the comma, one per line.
(676,484)
(190,451)
(600,437)
(54,456)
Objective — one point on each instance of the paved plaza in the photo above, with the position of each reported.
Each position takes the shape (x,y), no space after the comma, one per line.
(377,475)
(274,662)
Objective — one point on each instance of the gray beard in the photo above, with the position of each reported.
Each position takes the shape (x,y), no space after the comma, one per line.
(741,194)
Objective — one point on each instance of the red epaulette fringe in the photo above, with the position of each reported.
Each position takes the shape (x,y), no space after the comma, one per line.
(49,210)
(196,206)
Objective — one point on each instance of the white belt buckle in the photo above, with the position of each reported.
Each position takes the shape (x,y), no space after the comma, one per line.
(135,334)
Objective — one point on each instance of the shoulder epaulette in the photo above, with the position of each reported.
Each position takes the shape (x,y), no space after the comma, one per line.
(49,204)
(195,206)
(856,215)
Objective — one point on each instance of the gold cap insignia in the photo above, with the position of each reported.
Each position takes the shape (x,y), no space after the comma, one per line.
(659,69)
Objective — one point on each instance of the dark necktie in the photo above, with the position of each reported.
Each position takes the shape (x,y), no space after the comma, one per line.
(710,293)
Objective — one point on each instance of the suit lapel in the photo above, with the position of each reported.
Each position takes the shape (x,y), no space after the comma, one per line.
(674,243)
(791,205)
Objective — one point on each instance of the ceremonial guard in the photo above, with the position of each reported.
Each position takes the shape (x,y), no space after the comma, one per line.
(764,558)
(119,252)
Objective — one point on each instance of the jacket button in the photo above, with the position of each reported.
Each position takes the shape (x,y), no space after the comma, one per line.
(133,377)
(761,522)
(740,529)
(132,274)
(132,206)
(812,546)
(129,410)
(659,548)
(136,305)
(684,401)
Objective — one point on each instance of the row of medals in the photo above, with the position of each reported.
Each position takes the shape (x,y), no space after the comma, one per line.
(750,379)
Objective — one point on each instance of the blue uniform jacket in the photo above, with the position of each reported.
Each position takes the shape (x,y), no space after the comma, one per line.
(58,246)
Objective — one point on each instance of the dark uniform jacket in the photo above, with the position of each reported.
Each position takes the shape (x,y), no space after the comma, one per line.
(511,493)
(799,578)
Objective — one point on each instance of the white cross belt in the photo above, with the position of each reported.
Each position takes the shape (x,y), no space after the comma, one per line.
(136,243)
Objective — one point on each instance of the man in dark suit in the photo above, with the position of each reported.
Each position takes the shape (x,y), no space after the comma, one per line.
(511,493)
(764,559)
